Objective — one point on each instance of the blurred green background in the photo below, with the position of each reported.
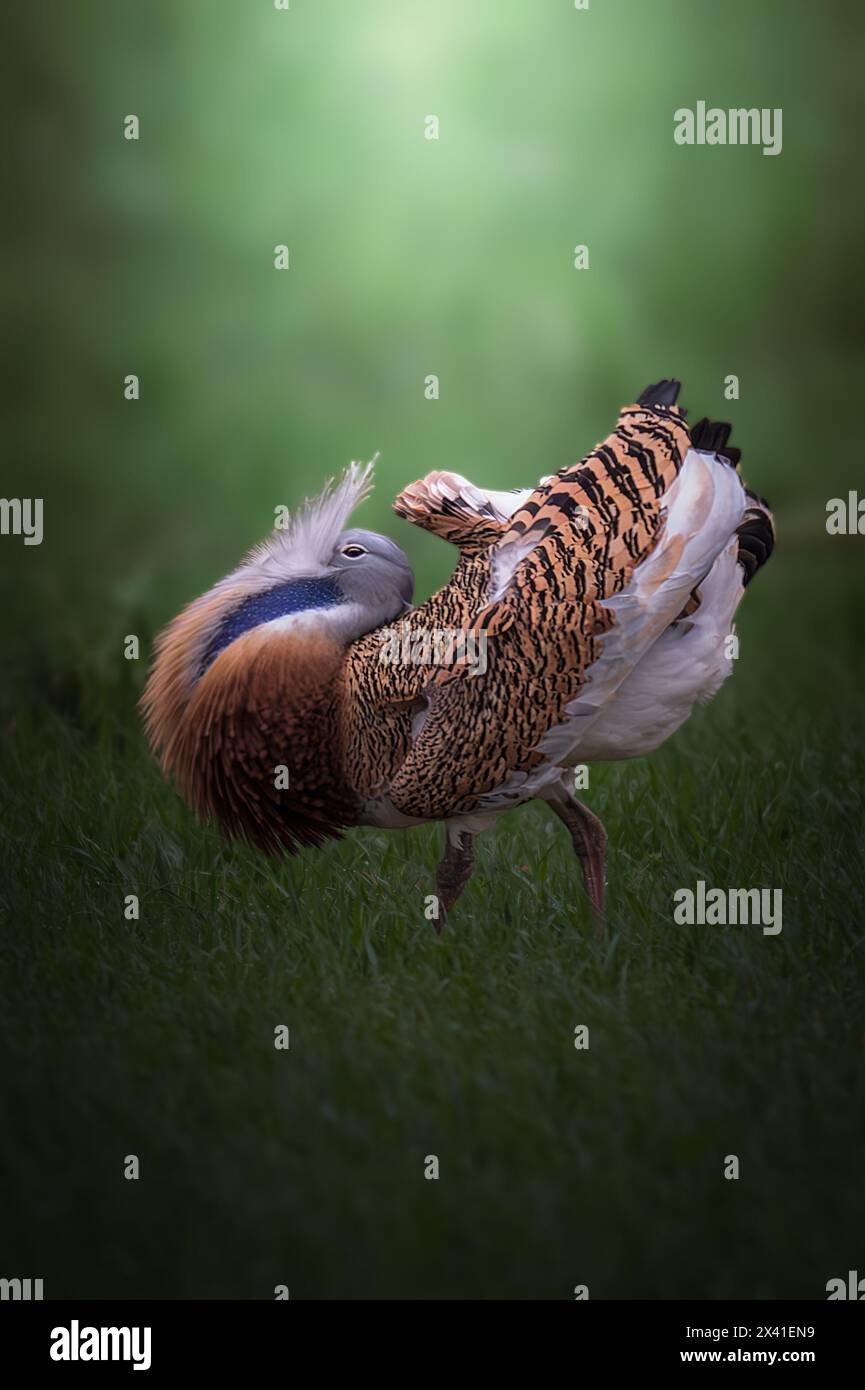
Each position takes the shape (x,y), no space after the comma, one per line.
(411,257)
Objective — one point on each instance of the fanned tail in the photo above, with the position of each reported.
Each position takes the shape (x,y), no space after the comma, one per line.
(757,532)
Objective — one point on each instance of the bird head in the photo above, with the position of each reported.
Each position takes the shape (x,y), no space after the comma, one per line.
(373,572)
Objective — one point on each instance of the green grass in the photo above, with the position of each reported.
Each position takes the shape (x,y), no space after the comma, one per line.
(558,1166)
(412,257)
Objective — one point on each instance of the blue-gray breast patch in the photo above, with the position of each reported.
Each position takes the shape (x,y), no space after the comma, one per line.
(295,596)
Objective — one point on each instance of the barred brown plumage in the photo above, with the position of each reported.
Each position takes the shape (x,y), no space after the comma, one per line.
(601,599)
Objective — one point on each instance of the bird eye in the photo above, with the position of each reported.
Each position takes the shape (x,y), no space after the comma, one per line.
(353,551)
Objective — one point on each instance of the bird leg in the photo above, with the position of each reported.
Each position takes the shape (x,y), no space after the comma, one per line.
(589,840)
(454,870)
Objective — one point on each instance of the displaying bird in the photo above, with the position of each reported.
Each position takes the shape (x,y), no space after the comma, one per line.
(303,694)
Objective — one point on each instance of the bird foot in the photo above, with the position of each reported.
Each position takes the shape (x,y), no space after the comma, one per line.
(454,872)
(589,840)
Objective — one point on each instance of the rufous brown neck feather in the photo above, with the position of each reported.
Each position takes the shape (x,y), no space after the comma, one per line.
(269,701)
